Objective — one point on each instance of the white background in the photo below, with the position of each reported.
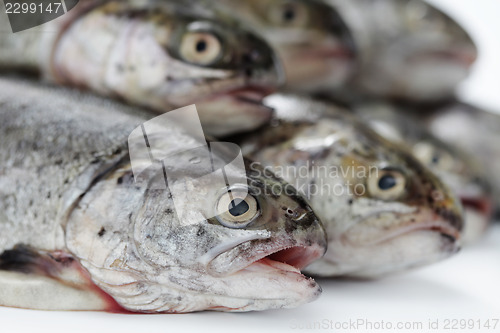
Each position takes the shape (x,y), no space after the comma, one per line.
(464,287)
(481,18)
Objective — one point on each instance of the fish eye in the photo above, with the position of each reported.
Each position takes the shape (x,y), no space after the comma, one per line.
(289,14)
(421,15)
(200,48)
(433,157)
(387,184)
(236,209)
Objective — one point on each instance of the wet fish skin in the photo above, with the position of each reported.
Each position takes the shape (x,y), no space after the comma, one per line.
(317,146)
(311,39)
(474,129)
(408,49)
(456,168)
(145,52)
(67,191)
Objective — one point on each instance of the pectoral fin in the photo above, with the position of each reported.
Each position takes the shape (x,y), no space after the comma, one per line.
(42,280)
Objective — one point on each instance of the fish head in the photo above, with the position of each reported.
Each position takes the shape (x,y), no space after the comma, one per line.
(382,209)
(397,214)
(418,52)
(310,37)
(464,177)
(212,247)
(190,57)
(452,165)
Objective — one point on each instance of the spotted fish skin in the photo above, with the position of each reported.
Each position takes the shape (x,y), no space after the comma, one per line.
(68,199)
(383,210)
(160,54)
(407,50)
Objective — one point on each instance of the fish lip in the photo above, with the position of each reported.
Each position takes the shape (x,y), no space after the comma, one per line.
(466,58)
(434,222)
(440,226)
(296,258)
(277,257)
(249,94)
(252,94)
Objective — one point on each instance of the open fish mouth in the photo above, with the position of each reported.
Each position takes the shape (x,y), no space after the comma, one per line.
(478,213)
(252,95)
(483,205)
(293,259)
(237,110)
(270,273)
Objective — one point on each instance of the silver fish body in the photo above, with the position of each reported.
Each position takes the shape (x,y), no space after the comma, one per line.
(383,211)
(462,172)
(407,49)
(75,224)
(160,54)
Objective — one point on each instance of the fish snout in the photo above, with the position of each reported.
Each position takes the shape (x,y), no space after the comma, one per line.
(308,233)
(448,208)
(339,30)
(260,64)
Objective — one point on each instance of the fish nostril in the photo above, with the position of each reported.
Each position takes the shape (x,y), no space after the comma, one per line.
(437,196)
(248,72)
(252,57)
(247,59)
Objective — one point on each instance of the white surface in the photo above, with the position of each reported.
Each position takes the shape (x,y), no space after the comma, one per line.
(464,287)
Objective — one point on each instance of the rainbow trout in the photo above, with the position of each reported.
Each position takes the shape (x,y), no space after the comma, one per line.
(408,49)
(160,54)
(383,211)
(309,36)
(474,130)
(77,233)
(456,168)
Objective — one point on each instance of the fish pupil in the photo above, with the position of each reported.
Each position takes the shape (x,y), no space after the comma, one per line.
(387,182)
(288,14)
(238,207)
(201,46)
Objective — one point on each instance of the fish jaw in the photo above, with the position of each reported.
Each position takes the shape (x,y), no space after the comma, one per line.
(274,266)
(371,252)
(316,68)
(408,251)
(218,115)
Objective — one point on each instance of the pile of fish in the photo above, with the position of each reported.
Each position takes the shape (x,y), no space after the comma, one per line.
(358,159)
